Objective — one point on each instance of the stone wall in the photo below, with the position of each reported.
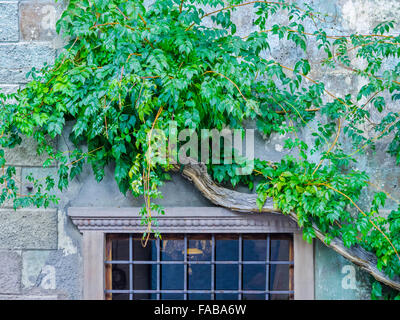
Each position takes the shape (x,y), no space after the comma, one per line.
(40,250)
(39,254)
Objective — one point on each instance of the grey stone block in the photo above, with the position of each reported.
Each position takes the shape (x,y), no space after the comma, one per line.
(16,60)
(32,265)
(8,88)
(67,273)
(336,278)
(25,154)
(10,272)
(9,22)
(47,272)
(28,297)
(38,20)
(28,229)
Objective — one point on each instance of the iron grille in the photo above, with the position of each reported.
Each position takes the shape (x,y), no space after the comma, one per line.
(227,267)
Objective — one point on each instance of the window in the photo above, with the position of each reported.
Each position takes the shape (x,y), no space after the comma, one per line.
(200,266)
(106,238)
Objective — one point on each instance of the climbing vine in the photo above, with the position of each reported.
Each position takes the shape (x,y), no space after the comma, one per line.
(127,70)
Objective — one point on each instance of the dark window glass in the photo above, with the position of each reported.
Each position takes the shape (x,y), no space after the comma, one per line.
(144,296)
(172,296)
(227,277)
(199,296)
(254,249)
(144,277)
(199,249)
(120,249)
(144,253)
(248,296)
(280,249)
(120,296)
(254,277)
(279,277)
(279,297)
(226,296)
(172,276)
(199,277)
(227,249)
(120,276)
(172,248)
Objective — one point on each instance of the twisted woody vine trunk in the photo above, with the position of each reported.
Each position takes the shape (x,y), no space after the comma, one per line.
(244,202)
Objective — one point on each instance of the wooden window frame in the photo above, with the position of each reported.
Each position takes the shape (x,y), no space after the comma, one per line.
(96,223)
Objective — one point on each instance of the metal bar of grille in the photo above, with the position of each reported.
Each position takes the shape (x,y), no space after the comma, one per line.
(240,267)
(197,262)
(267,266)
(158,268)
(202,291)
(213,267)
(130,266)
(185,279)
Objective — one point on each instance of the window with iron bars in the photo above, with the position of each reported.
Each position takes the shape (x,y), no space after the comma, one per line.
(200,267)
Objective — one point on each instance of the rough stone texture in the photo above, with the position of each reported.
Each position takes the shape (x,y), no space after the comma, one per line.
(69,238)
(177,192)
(32,264)
(10,272)
(49,272)
(9,21)
(38,20)
(7,89)
(25,154)
(28,229)
(362,16)
(336,278)
(16,60)
(68,275)
(52,271)
(28,297)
